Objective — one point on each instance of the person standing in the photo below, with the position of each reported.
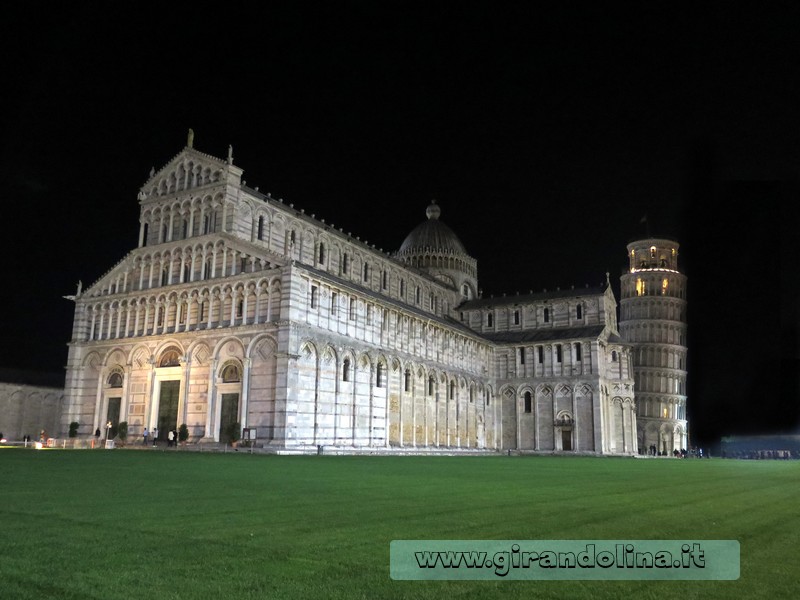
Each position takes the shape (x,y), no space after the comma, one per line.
(144,437)
(155,436)
(169,439)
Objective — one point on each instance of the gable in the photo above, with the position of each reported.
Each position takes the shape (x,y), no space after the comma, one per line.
(189,170)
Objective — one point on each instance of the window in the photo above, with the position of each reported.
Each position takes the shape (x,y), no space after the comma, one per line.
(540,352)
(452,390)
(321,257)
(613,356)
(292,237)
(366,272)
(558,352)
(313,296)
(185,229)
(522,356)
(260,230)
(430,385)
(579,312)
(578,352)
(243,265)
(380,375)
(516,317)
(407,381)
(202,312)
(352,309)
(402,288)
(417,295)
(239,309)
(546,315)
(115,380)
(165,277)
(385,280)
(186,273)
(346,370)
(334,302)
(345,263)
(528,402)
(207,272)
(206,224)
(490,320)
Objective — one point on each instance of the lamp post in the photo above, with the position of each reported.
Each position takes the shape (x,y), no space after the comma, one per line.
(108,430)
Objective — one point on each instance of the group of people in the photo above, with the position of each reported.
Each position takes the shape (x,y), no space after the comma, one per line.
(172,437)
(682,453)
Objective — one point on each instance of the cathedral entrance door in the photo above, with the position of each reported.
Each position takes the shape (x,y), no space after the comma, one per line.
(168,408)
(566,439)
(229,416)
(113,416)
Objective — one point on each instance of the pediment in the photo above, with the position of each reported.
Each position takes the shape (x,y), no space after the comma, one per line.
(189,170)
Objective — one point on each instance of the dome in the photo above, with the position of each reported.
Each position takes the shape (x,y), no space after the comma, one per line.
(432,236)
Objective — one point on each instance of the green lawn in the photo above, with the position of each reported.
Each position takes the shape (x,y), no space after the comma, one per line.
(152,524)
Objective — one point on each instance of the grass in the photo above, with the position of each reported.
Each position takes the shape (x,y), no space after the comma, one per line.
(122,523)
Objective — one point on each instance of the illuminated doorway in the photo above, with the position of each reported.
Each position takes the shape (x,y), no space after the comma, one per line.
(168,408)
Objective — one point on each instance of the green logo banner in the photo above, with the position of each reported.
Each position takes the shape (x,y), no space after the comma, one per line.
(515,560)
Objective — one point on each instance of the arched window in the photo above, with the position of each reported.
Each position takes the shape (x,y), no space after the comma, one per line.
(430,385)
(231,374)
(186,273)
(345,263)
(379,375)
(346,370)
(613,356)
(407,381)
(528,402)
(546,315)
(115,380)
(452,390)
(417,295)
(366,272)
(185,229)
(321,256)
(579,312)
(260,231)
(165,277)
(490,320)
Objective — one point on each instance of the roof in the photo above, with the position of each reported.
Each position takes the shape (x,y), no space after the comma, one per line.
(545,335)
(432,236)
(532,297)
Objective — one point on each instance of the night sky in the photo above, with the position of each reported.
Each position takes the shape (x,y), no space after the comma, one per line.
(545,134)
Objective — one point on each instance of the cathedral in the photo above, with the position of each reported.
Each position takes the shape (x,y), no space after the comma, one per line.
(241,316)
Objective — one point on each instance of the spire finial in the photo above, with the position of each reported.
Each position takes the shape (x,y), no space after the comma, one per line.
(230,154)
(433,210)
(190,139)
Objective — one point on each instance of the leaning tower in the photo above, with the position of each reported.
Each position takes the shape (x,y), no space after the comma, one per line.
(653,320)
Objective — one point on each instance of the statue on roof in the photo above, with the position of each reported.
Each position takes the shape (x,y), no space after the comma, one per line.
(190,139)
